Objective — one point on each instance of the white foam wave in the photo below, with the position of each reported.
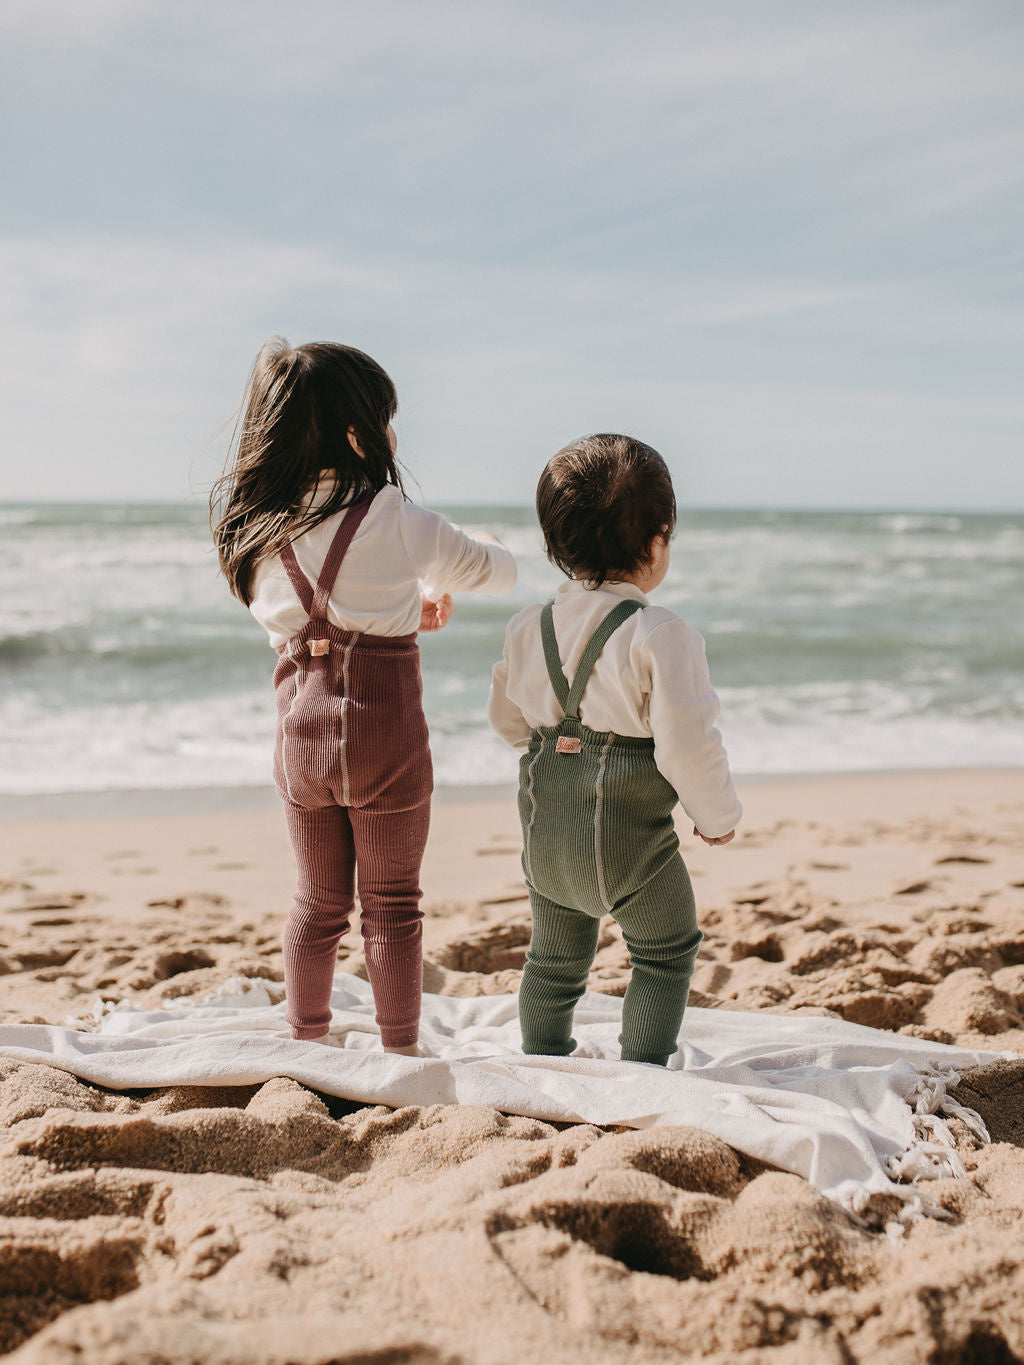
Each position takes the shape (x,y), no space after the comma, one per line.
(900,522)
(224,742)
(228,742)
(863,745)
(913,658)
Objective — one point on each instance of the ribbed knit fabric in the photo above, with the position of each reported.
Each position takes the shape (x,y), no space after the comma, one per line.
(352,765)
(659,925)
(337,848)
(598,839)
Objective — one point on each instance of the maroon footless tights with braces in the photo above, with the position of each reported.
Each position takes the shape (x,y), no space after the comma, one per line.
(352,765)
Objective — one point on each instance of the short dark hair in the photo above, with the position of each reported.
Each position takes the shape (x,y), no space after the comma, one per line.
(601,501)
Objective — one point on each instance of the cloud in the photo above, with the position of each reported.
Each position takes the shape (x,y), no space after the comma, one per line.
(127,360)
(544,219)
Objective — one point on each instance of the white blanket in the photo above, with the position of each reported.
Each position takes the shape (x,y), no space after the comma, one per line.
(854,1110)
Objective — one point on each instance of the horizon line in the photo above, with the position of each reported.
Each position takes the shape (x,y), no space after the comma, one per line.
(869,509)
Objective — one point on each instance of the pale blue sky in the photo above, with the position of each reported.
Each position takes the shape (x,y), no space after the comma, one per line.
(783,242)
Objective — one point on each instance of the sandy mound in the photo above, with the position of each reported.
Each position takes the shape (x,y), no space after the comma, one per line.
(271,1224)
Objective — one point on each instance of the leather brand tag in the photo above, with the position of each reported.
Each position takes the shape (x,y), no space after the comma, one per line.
(318,647)
(567,744)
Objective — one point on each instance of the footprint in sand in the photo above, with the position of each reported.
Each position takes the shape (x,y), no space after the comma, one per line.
(712,977)
(493,948)
(58,956)
(960,858)
(768,949)
(41,903)
(160,966)
(824,924)
(192,900)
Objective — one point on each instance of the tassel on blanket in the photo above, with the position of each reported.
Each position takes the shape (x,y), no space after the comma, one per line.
(932,1154)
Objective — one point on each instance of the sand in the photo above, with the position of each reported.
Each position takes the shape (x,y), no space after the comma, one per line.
(270,1224)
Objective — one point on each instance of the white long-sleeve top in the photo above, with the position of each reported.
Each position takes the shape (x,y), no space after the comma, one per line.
(399,550)
(651,678)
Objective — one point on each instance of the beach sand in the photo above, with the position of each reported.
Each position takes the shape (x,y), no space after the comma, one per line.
(270,1224)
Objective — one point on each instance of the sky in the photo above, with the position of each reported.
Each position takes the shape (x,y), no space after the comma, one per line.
(780,240)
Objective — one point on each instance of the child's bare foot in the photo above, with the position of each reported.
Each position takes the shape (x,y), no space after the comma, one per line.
(413,1050)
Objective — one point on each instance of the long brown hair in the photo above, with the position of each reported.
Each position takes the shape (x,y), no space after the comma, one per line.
(299,404)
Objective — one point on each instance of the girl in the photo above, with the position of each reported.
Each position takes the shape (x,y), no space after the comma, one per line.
(609,754)
(316,536)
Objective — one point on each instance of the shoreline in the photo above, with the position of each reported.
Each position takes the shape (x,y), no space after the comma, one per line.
(116,802)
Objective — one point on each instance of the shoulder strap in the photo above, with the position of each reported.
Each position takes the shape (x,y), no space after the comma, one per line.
(315,603)
(569,697)
(299,580)
(595,644)
(342,540)
(547,634)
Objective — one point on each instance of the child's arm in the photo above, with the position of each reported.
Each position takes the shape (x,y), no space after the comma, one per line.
(504,715)
(688,749)
(447,560)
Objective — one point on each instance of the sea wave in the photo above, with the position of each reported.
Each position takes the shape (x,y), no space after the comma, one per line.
(837,642)
(133,747)
(142,650)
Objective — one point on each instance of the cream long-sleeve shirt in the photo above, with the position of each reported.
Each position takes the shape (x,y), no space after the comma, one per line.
(651,678)
(399,550)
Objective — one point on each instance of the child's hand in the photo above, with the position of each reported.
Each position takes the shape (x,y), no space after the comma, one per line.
(724,839)
(435,615)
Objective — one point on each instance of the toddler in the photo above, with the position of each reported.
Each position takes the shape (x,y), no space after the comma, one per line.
(610,699)
(318,539)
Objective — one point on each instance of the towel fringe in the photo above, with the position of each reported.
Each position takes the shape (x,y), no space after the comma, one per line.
(932,1153)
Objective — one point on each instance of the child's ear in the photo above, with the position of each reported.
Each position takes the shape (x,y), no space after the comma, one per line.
(658,546)
(353,441)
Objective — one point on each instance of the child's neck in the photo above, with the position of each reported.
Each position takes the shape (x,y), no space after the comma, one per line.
(645,579)
(648,576)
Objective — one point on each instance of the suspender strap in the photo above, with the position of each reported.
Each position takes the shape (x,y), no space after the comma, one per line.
(595,644)
(299,580)
(342,540)
(315,603)
(554,663)
(569,697)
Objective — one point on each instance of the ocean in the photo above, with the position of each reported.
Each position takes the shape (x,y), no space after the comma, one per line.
(838,642)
